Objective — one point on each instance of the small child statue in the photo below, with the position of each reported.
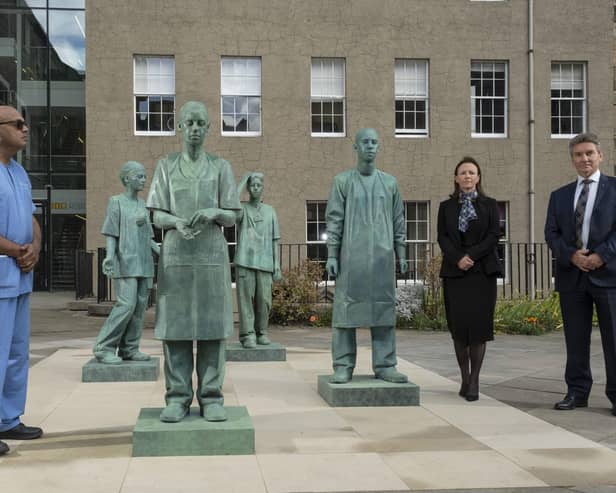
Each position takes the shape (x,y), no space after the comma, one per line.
(257,262)
(129,262)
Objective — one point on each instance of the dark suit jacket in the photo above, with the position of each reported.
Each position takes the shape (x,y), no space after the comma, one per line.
(483,252)
(560,234)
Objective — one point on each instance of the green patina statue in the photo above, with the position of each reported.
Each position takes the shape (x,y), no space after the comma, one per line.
(129,262)
(365,226)
(257,262)
(193,194)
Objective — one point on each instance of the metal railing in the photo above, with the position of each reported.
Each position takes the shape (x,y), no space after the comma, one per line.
(527,268)
(84,285)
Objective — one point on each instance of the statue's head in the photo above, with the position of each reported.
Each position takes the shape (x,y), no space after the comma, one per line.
(367,146)
(132,175)
(255,185)
(194,122)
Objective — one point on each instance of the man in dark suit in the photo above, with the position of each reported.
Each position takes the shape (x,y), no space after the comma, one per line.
(580,230)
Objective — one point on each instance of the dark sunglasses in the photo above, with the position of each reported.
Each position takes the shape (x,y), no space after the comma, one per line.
(18,124)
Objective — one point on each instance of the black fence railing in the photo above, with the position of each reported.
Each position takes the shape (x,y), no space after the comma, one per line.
(527,268)
(84,283)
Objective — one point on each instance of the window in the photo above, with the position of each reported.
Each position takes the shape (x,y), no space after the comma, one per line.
(417,216)
(489,99)
(240,89)
(411,107)
(503,241)
(568,98)
(316,230)
(230,233)
(327,97)
(154,87)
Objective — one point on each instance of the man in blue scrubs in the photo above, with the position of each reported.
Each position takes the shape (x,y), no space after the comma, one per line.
(20,244)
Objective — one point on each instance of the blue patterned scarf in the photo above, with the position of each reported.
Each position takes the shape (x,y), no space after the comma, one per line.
(467,212)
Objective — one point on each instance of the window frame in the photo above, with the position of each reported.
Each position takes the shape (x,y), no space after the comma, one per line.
(318,221)
(413,133)
(505,99)
(417,244)
(584,98)
(328,99)
(136,94)
(236,133)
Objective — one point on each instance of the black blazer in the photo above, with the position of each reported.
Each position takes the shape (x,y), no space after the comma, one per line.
(482,253)
(560,234)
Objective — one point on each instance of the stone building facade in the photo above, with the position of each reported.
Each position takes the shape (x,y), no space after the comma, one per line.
(289,82)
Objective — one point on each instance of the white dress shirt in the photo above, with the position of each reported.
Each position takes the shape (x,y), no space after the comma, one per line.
(590,203)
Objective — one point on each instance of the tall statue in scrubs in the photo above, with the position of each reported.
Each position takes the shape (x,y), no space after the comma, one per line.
(129,262)
(20,245)
(365,232)
(257,262)
(193,193)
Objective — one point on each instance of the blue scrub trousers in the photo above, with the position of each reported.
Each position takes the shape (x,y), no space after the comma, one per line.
(14,357)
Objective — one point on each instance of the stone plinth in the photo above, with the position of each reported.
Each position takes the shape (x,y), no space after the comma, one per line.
(269,352)
(80,305)
(193,435)
(127,371)
(365,390)
(100,309)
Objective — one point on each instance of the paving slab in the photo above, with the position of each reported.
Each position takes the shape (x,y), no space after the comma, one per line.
(521,444)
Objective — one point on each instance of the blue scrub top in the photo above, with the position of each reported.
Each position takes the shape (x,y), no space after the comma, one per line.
(16,209)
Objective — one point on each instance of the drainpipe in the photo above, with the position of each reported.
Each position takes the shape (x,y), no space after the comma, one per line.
(531,150)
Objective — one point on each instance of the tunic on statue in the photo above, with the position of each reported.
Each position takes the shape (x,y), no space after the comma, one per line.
(194,300)
(256,234)
(128,221)
(365,222)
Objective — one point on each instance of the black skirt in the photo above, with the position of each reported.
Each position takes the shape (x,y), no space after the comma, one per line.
(469,307)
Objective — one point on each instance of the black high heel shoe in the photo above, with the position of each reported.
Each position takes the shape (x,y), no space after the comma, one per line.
(463,390)
(472,393)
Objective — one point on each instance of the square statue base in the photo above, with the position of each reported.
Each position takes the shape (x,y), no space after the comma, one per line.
(193,435)
(127,371)
(269,352)
(365,390)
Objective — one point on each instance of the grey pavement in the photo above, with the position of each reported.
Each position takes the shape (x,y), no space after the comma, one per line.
(525,372)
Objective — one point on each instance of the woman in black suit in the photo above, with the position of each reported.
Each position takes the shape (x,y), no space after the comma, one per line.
(468,233)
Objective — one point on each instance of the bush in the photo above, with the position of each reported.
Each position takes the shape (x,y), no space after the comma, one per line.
(530,317)
(409,300)
(432,315)
(322,315)
(294,297)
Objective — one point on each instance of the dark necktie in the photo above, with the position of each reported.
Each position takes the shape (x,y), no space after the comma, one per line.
(580,209)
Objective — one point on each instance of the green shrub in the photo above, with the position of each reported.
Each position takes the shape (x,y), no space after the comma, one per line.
(294,298)
(525,316)
(432,315)
(322,315)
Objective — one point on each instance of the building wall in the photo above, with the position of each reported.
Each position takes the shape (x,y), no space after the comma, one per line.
(370,35)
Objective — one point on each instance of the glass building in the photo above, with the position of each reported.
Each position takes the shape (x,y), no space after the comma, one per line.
(42,74)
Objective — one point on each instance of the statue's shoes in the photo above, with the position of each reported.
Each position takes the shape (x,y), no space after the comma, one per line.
(341,375)
(263,340)
(391,375)
(137,356)
(173,413)
(249,343)
(214,412)
(108,358)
